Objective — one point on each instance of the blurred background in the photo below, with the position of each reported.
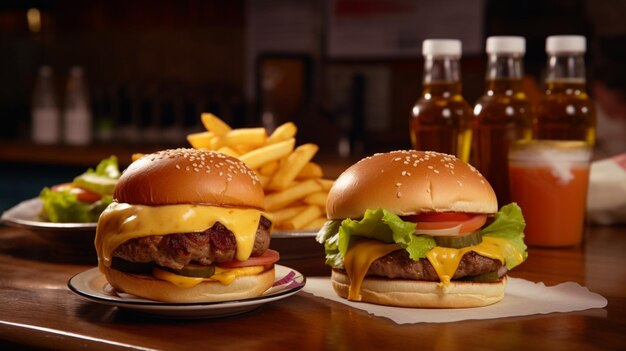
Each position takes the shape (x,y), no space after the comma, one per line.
(137,74)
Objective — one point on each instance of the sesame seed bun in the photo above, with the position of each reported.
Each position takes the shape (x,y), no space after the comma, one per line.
(189,176)
(422,294)
(208,291)
(410,182)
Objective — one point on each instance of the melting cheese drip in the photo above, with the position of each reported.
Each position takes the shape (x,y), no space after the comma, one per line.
(223,275)
(121,222)
(358,260)
(444,260)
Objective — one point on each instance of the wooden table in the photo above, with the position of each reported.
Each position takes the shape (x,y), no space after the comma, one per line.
(38,311)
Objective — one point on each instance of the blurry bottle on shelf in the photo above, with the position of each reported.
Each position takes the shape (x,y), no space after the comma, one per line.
(503,114)
(441,118)
(566,112)
(77,114)
(103,107)
(46,116)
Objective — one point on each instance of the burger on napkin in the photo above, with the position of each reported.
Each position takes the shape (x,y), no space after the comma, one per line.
(419,229)
(187,226)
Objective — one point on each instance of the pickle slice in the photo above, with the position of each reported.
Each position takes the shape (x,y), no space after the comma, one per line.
(196,271)
(458,242)
(123,265)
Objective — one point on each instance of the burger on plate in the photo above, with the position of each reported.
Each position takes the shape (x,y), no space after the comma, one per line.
(419,229)
(187,226)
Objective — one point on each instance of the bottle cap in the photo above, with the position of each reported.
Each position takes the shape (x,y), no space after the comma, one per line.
(565,43)
(441,47)
(506,45)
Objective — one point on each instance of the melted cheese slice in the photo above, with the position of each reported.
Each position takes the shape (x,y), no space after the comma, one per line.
(444,260)
(224,276)
(121,222)
(358,260)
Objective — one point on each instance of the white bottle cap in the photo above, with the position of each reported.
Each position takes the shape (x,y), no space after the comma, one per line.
(441,47)
(565,43)
(506,45)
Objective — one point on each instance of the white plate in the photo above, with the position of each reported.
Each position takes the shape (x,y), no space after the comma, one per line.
(69,241)
(92,285)
(26,215)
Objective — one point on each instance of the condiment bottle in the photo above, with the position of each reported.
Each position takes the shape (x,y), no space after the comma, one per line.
(503,114)
(565,112)
(77,114)
(46,117)
(441,117)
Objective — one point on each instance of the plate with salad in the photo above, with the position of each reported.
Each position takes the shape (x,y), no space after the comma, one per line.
(65,213)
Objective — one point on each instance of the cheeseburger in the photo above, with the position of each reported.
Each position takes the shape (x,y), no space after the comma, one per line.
(419,229)
(187,226)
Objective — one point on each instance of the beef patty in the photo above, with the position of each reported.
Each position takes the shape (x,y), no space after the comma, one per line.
(399,265)
(216,244)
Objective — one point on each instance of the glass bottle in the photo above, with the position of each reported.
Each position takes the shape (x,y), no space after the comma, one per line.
(77,114)
(441,117)
(46,117)
(503,114)
(565,112)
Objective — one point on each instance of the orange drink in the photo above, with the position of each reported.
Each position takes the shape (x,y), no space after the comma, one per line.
(549,181)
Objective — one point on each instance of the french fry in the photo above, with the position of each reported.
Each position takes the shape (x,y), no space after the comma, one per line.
(200,140)
(136,156)
(228,151)
(269,168)
(325,183)
(295,162)
(256,158)
(315,224)
(214,124)
(285,213)
(317,199)
(295,192)
(276,200)
(244,136)
(310,170)
(283,132)
(304,217)
(264,180)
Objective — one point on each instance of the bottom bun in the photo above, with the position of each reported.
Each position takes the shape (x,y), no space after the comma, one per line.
(160,290)
(425,294)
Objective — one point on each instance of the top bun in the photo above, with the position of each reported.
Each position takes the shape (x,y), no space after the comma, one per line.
(410,182)
(189,176)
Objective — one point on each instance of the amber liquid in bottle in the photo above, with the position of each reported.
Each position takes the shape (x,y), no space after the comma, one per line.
(441,118)
(503,115)
(566,113)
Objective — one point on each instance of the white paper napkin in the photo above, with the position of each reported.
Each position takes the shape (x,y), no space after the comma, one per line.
(522,298)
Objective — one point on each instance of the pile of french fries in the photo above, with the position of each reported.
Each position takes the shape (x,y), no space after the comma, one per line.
(295,190)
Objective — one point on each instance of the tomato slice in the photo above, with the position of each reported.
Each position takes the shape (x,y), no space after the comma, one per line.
(474,223)
(269,257)
(82,194)
(441,217)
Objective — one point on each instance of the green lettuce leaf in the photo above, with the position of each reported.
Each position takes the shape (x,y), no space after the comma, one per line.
(509,224)
(378,224)
(63,207)
(102,180)
(387,227)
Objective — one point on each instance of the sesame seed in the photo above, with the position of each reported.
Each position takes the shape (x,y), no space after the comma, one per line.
(436,171)
(399,194)
(177,166)
(398,184)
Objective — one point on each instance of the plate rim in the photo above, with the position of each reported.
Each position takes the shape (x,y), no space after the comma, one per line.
(8,217)
(120,302)
(279,234)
